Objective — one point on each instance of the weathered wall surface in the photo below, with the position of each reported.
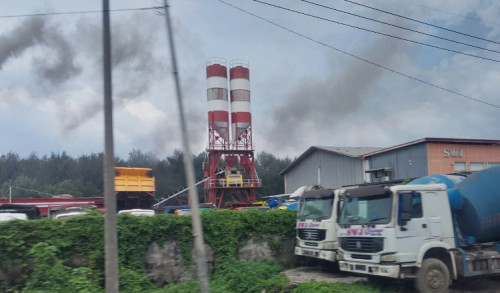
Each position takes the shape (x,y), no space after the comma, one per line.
(165,264)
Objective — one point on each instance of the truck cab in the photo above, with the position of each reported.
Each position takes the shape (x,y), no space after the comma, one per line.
(387,231)
(316,225)
(430,233)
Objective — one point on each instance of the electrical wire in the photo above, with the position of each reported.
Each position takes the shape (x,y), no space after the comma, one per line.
(477,19)
(375,32)
(359,58)
(79,12)
(400,27)
(422,22)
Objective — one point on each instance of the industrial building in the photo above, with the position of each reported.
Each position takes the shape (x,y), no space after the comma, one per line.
(333,167)
(431,156)
(329,167)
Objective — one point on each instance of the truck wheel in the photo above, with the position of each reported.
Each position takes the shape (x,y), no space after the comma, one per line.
(432,277)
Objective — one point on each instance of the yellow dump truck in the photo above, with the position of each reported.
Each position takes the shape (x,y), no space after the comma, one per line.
(134,188)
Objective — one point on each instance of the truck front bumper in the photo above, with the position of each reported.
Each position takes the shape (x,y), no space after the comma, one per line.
(330,255)
(390,271)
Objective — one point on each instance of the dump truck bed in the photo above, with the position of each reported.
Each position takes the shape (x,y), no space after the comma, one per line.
(134,179)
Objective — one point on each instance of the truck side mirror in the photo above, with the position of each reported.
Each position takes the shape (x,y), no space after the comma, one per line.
(405,207)
(340,203)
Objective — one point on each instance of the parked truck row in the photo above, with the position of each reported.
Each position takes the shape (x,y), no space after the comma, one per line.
(433,230)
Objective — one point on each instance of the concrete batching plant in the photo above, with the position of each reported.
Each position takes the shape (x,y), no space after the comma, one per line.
(229,162)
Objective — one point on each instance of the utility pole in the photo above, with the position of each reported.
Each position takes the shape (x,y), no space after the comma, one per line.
(110,234)
(199,245)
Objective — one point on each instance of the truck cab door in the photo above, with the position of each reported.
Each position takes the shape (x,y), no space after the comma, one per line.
(412,228)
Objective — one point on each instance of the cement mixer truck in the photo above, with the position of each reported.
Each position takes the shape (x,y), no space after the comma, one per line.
(433,231)
(316,223)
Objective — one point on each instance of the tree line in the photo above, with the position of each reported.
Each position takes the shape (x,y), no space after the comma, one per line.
(59,173)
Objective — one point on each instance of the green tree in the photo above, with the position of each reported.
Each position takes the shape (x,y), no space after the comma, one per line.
(138,159)
(57,167)
(174,178)
(30,166)
(67,186)
(198,162)
(268,167)
(24,186)
(88,176)
(9,166)
(170,176)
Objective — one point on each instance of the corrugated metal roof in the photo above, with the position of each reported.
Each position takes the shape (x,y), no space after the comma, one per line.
(354,152)
(350,151)
(364,152)
(435,140)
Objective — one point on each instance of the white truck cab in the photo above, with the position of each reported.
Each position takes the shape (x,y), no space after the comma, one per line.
(378,237)
(409,232)
(316,225)
(427,232)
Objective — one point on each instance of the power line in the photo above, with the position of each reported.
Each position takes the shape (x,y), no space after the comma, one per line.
(451,13)
(400,27)
(79,12)
(422,22)
(375,32)
(360,58)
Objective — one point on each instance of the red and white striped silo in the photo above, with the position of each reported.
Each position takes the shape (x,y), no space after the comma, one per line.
(241,117)
(233,152)
(217,99)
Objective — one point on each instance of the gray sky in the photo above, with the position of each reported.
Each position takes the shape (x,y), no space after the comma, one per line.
(303,93)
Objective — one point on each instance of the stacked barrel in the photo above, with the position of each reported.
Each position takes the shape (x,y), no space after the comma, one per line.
(217,99)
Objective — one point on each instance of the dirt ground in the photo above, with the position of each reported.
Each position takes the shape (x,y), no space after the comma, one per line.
(304,274)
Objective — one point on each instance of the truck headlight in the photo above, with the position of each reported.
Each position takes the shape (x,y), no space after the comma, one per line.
(330,245)
(390,257)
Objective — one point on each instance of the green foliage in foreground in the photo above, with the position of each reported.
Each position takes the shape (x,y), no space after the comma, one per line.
(250,277)
(325,287)
(238,277)
(278,284)
(70,253)
(49,275)
(68,256)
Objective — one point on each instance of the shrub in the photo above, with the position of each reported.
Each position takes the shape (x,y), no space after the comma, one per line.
(245,277)
(55,255)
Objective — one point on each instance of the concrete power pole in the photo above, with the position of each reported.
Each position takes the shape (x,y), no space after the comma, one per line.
(110,235)
(199,245)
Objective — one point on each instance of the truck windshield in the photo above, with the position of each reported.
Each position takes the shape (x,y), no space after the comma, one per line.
(316,208)
(366,210)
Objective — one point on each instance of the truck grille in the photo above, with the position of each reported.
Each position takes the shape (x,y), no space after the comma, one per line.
(361,256)
(311,234)
(362,244)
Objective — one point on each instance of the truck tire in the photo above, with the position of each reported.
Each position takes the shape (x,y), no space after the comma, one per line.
(432,277)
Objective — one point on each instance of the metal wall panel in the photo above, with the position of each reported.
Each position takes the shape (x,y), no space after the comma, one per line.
(406,162)
(335,171)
